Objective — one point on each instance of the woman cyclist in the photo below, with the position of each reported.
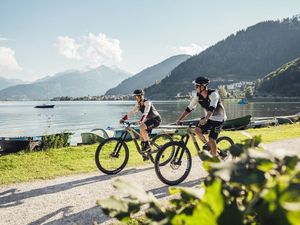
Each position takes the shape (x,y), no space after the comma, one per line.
(149,120)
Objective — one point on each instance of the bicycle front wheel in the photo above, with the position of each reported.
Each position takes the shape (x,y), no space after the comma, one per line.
(112,156)
(178,167)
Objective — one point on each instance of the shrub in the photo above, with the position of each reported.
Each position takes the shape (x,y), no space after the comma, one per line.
(257,188)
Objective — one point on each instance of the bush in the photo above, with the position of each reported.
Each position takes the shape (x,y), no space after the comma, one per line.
(55,140)
(258,188)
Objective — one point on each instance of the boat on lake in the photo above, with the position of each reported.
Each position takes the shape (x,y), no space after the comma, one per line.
(270,121)
(237,123)
(44,106)
(263,123)
(16,144)
(96,135)
(243,101)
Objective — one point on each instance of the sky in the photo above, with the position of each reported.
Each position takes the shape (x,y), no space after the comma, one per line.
(41,38)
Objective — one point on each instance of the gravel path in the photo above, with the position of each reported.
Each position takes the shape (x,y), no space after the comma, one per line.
(72,199)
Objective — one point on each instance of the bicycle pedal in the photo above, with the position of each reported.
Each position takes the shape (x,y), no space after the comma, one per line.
(206,147)
(145,157)
(223,154)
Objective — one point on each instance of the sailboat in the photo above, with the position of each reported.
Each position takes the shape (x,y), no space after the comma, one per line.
(45,106)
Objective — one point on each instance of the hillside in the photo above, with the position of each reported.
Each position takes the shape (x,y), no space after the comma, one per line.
(5,83)
(247,55)
(285,81)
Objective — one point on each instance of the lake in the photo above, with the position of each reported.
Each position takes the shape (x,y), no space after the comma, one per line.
(22,119)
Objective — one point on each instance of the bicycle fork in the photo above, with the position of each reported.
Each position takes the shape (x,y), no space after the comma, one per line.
(118,146)
(178,159)
(191,134)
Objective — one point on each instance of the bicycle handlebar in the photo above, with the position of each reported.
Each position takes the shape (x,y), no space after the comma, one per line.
(130,123)
(186,125)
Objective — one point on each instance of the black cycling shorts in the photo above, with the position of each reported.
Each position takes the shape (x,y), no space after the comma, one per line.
(215,128)
(152,123)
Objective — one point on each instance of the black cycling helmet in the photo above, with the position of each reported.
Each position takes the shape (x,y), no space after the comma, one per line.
(201,81)
(138,92)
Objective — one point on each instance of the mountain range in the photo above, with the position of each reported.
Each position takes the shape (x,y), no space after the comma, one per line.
(70,83)
(148,76)
(247,55)
(4,82)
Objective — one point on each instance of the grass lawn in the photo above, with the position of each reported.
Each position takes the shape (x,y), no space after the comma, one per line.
(21,167)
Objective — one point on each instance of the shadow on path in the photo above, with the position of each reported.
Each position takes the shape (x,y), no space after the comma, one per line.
(90,215)
(12,197)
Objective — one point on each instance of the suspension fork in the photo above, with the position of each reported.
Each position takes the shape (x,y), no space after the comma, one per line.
(119,144)
(135,140)
(184,140)
(191,134)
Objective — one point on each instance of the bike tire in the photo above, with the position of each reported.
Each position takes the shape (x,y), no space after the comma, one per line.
(158,168)
(104,146)
(228,142)
(153,154)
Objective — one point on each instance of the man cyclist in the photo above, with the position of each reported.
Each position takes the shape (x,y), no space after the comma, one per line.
(149,120)
(215,116)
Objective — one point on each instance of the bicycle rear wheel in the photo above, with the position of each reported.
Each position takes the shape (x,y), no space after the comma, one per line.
(112,156)
(157,142)
(223,145)
(178,167)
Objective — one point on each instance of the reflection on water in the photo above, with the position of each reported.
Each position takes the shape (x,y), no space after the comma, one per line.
(21,118)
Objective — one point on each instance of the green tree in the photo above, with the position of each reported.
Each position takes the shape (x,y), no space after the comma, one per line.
(249,92)
(222,92)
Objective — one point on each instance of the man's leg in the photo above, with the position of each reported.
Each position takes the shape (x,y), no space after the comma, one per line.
(200,134)
(201,130)
(213,136)
(213,146)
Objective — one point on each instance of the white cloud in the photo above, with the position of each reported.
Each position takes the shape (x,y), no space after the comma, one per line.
(8,60)
(103,50)
(95,50)
(191,49)
(68,48)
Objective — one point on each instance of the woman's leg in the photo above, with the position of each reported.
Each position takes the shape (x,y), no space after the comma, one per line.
(143,132)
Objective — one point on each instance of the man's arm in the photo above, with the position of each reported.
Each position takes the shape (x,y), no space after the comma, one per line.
(182,116)
(188,110)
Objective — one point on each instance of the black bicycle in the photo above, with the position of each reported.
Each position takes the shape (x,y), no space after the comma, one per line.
(178,168)
(112,154)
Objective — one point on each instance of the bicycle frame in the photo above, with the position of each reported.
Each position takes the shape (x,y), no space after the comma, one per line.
(184,140)
(190,134)
(133,133)
(129,130)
